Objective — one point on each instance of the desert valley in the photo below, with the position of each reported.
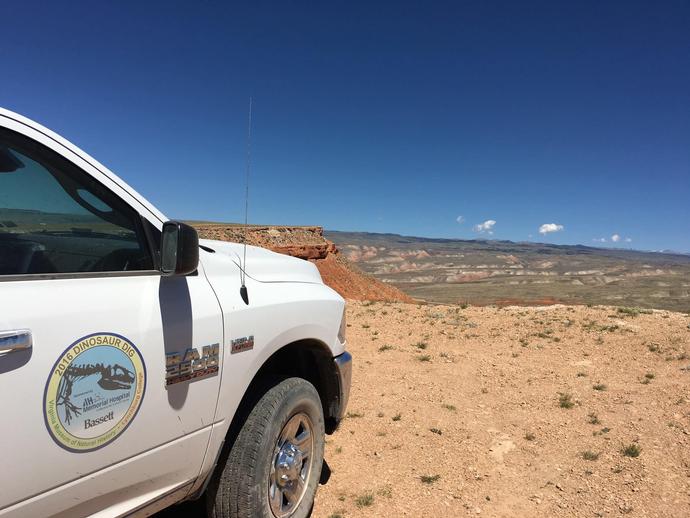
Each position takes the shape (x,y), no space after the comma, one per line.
(505,272)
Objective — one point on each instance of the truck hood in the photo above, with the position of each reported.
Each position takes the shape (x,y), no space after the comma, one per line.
(265,266)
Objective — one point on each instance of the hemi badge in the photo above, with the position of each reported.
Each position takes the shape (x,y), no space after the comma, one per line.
(246,343)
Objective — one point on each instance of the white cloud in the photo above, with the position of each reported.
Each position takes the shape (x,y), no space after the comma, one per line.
(487,226)
(547,228)
(615,238)
(460,219)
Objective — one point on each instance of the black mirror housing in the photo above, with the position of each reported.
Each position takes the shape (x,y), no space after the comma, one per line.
(179,249)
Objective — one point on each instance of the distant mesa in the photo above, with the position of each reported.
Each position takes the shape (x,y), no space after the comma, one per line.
(484,272)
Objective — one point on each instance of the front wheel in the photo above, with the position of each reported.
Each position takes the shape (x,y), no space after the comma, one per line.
(273,467)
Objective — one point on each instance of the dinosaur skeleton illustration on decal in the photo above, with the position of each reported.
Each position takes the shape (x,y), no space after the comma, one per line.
(113,377)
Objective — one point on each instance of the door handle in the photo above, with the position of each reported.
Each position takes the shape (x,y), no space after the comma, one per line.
(16,340)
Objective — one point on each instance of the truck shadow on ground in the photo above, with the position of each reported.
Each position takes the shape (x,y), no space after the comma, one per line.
(185,510)
(196,509)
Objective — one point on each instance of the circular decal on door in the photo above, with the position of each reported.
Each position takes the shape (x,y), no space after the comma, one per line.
(94,391)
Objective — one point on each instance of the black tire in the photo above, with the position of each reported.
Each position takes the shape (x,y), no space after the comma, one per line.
(240,487)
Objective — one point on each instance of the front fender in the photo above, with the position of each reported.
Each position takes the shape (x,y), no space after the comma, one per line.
(278,313)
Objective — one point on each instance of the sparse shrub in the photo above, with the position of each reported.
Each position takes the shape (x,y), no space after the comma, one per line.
(590,455)
(429,479)
(365,500)
(385,491)
(602,431)
(592,418)
(599,386)
(437,431)
(610,329)
(365,326)
(633,312)
(385,348)
(529,436)
(424,358)
(632,450)
(565,400)
(354,415)
(649,375)
(421,345)
(581,374)
(589,325)
(397,417)
(452,408)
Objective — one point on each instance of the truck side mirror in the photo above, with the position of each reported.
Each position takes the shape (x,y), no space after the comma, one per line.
(179,249)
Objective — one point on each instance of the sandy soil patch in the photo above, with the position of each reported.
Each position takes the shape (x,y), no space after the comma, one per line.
(513,412)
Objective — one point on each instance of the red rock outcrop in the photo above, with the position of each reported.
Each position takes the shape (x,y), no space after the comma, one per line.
(309,244)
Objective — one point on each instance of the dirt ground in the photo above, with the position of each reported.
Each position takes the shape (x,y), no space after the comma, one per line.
(548,411)
(463,416)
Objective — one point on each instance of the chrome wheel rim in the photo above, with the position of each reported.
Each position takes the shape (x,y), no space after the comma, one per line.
(291,465)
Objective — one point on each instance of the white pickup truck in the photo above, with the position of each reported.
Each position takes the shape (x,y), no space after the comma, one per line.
(134,374)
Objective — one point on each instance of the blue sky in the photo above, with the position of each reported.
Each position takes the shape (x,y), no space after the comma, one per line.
(374,116)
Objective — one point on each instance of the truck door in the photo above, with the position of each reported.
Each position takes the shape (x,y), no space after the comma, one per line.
(86,327)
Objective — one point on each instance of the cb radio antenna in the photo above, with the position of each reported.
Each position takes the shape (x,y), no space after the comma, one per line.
(243,274)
